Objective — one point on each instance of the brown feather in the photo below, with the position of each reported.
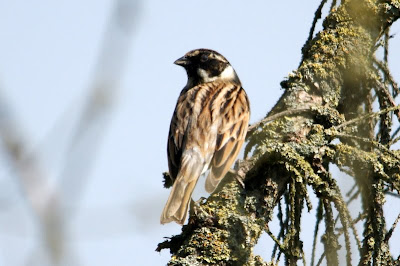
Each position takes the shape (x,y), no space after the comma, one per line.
(178,201)
(232,140)
(207,130)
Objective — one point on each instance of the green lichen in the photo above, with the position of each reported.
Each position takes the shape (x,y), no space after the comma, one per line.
(291,154)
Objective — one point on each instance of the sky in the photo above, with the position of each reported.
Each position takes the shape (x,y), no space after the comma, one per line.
(49,64)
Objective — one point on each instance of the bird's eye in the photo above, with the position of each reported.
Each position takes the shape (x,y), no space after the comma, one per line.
(204,58)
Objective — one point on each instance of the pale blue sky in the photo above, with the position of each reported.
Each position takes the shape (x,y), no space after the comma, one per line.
(48,57)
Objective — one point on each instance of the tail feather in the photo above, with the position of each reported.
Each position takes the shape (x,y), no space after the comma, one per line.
(178,201)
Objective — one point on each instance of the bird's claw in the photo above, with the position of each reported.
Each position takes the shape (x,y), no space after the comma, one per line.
(196,209)
(237,177)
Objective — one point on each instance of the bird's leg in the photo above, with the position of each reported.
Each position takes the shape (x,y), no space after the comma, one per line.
(237,177)
(237,173)
(195,208)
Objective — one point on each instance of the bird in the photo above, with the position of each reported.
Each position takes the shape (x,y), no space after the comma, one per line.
(207,129)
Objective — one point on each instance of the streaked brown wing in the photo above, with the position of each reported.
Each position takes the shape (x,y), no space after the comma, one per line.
(234,115)
(176,136)
(174,150)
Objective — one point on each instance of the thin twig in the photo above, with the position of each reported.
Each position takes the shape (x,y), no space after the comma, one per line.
(276,116)
(359,119)
(340,230)
(317,16)
(282,228)
(374,143)
(369,109)
(348,172)
(320,210)
(394,140)
(385,93)
(392,194)
(351,190)
(353,197)
(389,76)
(333,5)
(386,47)
(275,240)
(40,196)
(321,258)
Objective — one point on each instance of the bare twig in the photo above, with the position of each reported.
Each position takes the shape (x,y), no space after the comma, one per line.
(93,121)
(317,16)
(390,232)
(319,217)
(45,200)
(387,97)
(40,196)
(276,116)
(361,118)
(393,137)
(382,66)
(333,5)
(321,258)
(392,194)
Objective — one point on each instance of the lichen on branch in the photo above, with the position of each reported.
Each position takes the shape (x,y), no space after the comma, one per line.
(323,118)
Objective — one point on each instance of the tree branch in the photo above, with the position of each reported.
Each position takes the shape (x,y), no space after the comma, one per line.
(294,148)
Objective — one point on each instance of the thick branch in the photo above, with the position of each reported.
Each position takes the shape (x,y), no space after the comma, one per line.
(224,229)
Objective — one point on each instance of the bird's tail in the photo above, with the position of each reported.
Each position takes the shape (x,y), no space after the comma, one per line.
(178,201)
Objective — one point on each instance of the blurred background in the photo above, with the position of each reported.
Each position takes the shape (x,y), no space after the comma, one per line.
(87,91)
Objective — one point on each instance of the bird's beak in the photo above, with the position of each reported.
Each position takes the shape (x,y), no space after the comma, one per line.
(183,61)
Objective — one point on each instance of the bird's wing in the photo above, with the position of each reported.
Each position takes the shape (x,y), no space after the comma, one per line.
(233,110)
(191,144)
(189,128)
(177,136)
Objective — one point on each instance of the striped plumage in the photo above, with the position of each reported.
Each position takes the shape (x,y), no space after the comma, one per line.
(207,129)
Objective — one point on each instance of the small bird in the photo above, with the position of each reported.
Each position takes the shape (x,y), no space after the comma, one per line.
(207,129)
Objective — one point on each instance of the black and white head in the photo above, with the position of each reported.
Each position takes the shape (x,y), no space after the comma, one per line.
(204,65)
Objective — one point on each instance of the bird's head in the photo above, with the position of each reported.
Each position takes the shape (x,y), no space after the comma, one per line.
(204,65)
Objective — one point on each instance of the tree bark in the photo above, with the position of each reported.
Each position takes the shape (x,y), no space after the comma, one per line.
(295,149)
